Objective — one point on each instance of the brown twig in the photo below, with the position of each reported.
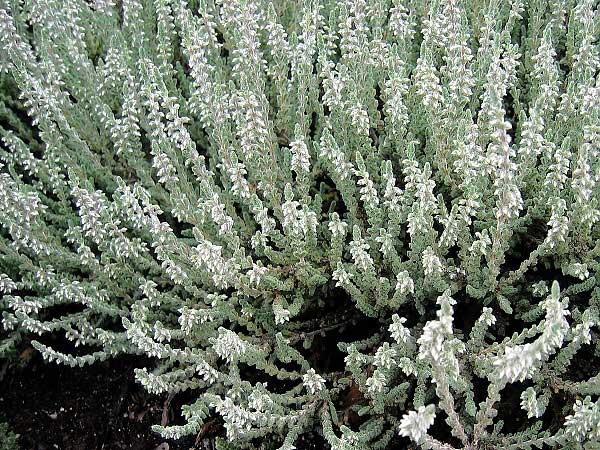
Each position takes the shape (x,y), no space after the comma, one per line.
(165,412)
(206,429)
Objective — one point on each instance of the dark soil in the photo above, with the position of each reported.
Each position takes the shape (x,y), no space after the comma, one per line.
(98,407)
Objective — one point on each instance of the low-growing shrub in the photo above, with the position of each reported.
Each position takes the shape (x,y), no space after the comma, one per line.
(369,220)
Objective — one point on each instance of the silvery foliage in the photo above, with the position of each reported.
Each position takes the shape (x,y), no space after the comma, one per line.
(228,186)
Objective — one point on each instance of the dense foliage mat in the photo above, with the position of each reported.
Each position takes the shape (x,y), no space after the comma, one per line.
(374,221)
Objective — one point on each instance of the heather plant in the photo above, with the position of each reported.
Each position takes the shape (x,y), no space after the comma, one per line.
(376,221)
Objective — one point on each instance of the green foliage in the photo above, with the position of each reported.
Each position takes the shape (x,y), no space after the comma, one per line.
(8,439)
(351,218)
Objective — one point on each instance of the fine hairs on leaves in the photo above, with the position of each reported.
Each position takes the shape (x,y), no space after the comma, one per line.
(288,206)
